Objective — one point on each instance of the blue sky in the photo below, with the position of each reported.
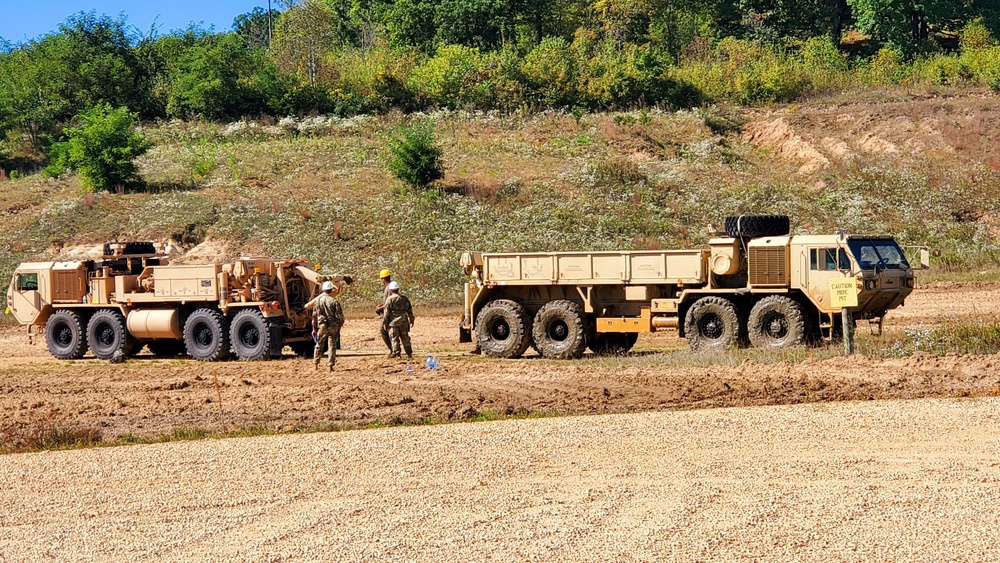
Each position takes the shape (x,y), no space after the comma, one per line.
(23,20)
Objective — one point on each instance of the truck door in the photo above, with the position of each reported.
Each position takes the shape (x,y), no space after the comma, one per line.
(25,296)
(825,263)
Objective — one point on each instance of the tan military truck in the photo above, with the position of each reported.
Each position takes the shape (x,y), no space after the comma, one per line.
(755,284)
(132,297)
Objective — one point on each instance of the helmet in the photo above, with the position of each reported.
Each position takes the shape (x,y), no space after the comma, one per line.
(384,274)
(327,286)
(393,286)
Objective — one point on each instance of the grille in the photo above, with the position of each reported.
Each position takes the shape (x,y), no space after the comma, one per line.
(768,266)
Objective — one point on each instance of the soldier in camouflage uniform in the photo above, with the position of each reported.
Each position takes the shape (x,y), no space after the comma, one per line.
(397,318)
(386,277)
(328,317)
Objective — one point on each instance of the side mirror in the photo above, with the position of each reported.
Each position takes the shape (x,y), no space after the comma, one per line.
(925,257)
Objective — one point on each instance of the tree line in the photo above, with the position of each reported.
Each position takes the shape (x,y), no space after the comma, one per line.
(368,56)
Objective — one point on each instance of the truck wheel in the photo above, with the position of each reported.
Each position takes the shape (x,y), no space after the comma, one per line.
(757,226)
(712,323)
(250,335)
(560,330)
(502,329)
(613,343)
(206,335)
(64,335)
(166,348)
(777,322)
(107,334)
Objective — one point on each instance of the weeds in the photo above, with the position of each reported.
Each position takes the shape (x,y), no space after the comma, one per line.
(46,435)
(957,335)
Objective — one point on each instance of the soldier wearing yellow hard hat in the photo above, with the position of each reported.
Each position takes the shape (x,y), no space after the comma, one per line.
(386,276)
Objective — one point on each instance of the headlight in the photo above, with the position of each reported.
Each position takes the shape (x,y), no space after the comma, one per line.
(871,284)
(909,282)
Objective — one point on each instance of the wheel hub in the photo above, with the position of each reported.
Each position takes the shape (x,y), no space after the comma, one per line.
(203,336)
(105,335)
(776,326)
(558,331)
(500,330)
(250,336)
(64,336)
(712,327)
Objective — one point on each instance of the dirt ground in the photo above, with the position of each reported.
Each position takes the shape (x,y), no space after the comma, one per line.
(148,397)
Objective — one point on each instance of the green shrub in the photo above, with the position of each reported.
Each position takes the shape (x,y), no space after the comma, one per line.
(104,147)
(372,81)
(975,36)
(452,78)
(416,157)
(550,73)
(886,67)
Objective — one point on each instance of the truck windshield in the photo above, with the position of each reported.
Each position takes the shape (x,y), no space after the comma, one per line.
(884,253)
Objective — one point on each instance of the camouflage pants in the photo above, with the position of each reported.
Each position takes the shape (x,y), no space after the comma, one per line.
(400,337)
(327,337)
(386,339)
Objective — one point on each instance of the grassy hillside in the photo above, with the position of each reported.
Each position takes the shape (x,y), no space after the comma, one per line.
(918,164)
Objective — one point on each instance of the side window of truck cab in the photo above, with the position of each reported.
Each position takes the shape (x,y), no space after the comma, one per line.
(27,281)
(828,259)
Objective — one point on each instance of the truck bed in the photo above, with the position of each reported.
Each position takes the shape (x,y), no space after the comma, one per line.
(596,268)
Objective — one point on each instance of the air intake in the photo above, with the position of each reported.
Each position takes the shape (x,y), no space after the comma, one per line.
(768,266)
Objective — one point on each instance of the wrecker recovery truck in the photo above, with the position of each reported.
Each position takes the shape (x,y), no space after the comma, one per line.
(249,308)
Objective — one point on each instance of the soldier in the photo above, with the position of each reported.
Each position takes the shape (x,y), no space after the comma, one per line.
(328,317)
(397,318)
(386,277)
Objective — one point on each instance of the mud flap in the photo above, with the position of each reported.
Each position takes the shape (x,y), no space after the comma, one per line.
(277,340)
(464,335)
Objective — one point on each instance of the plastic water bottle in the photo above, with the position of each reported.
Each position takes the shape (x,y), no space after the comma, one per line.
(432,362)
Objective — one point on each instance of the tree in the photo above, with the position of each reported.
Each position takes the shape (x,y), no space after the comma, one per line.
(255,27)
(30,100)
(209,76)
(98,63)
(104,147)
(906,24)
(305,34)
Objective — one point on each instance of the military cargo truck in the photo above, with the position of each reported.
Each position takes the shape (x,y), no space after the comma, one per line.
(249,308)
(754,285)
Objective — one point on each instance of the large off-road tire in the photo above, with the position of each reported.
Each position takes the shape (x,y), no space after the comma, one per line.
(108,336)
(166,348)
(250,335)
(712,323)
(133,248)
(748,226)
(502,329)
(560,330)
(65,336)
(206,335)
(777,322)
(612,343)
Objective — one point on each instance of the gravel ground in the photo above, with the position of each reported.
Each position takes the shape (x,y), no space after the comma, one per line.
(860,481)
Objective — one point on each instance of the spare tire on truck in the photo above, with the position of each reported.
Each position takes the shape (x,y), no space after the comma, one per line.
(749,226)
